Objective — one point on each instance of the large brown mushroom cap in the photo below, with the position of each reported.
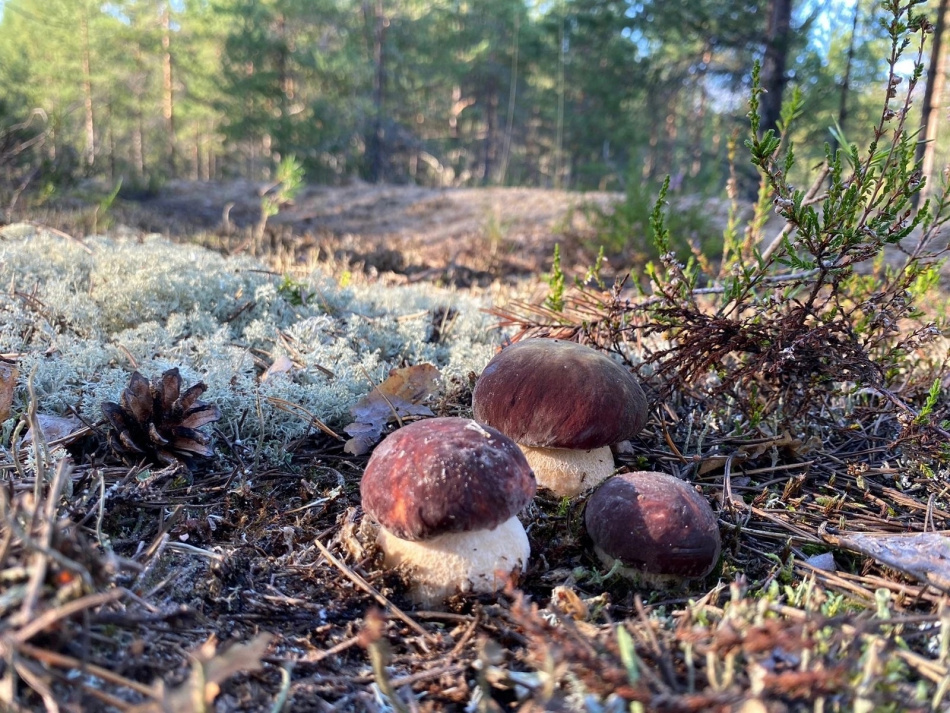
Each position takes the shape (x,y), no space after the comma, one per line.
(655,524)
(443,475)
(548,393)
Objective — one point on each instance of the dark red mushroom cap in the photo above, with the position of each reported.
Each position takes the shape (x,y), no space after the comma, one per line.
(548,393)
(655,523)
(442,475)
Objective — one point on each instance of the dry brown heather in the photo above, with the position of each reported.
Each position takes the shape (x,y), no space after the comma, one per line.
(249,583)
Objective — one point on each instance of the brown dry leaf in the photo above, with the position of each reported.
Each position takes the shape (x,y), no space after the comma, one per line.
(55,428)
(925,556)
(208,671)
(751,451)
(281,365)
(568,601)
(404,393)
(8,375)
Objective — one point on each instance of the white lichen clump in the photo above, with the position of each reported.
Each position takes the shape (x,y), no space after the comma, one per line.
(81,318)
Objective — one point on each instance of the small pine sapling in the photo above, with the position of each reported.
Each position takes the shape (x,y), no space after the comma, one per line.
(287,184)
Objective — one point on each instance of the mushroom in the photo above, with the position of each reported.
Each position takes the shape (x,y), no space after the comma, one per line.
(564,404)
(446,493)
(658,528)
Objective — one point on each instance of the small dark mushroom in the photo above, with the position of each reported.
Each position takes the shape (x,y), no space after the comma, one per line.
(658,527)
(564,404)
(446,493)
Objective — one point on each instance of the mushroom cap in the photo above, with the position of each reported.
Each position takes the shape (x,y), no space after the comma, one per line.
(442,475)
(548,393)
(654,523)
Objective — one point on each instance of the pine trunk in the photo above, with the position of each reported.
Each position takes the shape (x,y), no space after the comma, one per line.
(933,97)
(774,62)
(376,147)
(491,129)
(512,97)
(168,99)
(846,82)
(699,120)
(89,154)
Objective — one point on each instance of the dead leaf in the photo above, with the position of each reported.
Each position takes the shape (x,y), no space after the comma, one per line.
(569,602)
(925,556)
(281,365)
(751,451)
(404,393)
(8,375)
(55,428)
(208,671)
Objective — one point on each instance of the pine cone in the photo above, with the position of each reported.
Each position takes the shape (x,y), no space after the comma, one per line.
(158,422)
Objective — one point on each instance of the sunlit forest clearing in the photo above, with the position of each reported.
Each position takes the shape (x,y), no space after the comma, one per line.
(389,355)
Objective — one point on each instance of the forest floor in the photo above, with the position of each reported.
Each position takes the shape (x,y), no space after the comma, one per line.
(264,593)
(460,236)
(464,235)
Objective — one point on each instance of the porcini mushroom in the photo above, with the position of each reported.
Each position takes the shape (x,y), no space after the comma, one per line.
(660,530)
(446,493)
(564,404)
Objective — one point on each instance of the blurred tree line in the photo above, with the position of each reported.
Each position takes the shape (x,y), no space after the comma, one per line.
(573,93)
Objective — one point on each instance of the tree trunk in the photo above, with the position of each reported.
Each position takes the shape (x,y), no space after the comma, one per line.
(533,149)
(138,128)
(491,129)
(773,75)
(846,81)
(286,82)
(699,119)
(559,129)
(138,141)
(110,132)
(89,154)
(196,158)
(168,99)
(376,144)
(933,97)
(210,167)
(512,97)
(670,136)
(648,171)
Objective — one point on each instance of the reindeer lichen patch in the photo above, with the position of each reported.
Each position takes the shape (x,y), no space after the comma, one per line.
(83,316)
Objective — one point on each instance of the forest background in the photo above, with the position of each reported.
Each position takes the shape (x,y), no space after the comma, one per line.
(577,94)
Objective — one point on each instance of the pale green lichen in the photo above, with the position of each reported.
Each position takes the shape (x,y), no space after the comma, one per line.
(81,317)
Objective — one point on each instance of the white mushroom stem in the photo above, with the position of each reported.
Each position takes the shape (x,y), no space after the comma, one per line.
(568,472)
(478,561)
(638,577)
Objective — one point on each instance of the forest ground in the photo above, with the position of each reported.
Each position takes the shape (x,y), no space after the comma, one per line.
(466,234)
(775,632)
(464,237)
